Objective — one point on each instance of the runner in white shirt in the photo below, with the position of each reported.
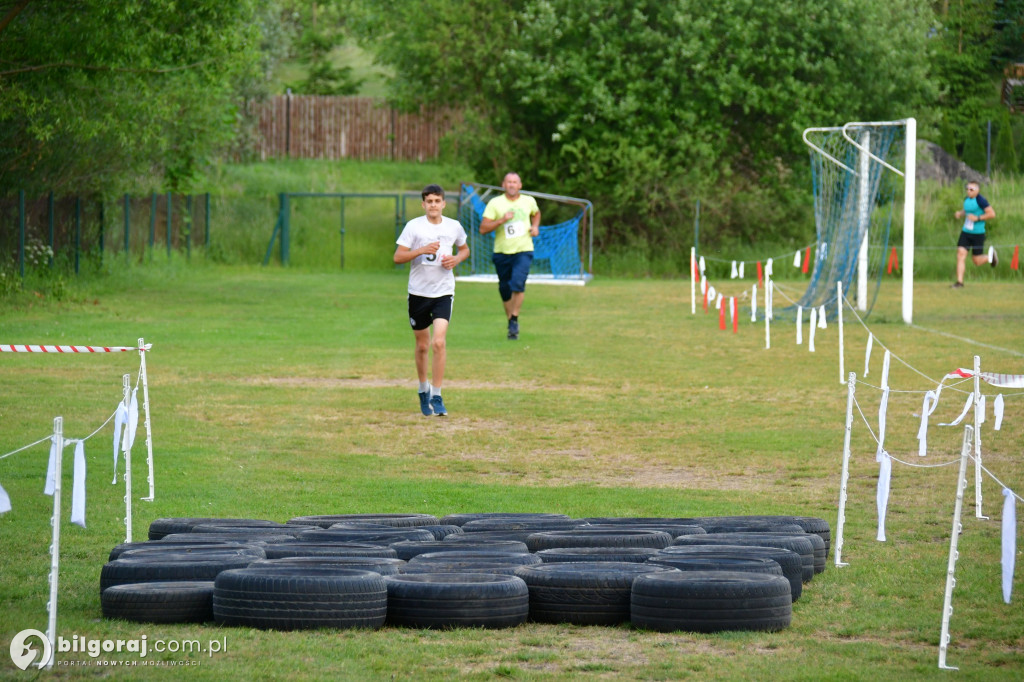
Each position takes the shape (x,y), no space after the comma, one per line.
(426,243)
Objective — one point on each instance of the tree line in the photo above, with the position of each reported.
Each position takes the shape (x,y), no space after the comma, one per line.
(644,106)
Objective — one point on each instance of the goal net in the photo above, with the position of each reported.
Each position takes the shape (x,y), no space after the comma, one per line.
(556,251)
(863,181)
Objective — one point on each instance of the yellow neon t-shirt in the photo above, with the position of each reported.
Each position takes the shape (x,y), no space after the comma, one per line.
(514,235)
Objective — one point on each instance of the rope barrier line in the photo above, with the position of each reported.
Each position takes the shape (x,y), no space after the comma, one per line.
(18,348)
(26,447)
(788,253)
(993,477)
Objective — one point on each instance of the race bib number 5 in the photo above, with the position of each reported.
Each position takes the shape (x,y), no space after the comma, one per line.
(435,258)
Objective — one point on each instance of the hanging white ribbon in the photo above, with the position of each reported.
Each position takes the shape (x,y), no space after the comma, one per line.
(711,293)
(5,501)
(813,326)
(867,353)
(718,301)
(78,486)
(931,400)
(769,267)
(735,272)
(882,495)
(1009,541)
(967,408)
(132,424)
(997,412)
(741,269)
(799,324)
(702,265)
(120,417)
(51,469)
(796,259)
(821,318)
(981,408)
(753,303)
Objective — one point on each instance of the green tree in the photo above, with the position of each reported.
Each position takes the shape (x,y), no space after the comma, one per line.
(1004,152)
(974,154)
(99,96)
(963,62)
(647,105)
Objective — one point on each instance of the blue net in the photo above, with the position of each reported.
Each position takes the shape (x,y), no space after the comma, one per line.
(855,200)
(556,251)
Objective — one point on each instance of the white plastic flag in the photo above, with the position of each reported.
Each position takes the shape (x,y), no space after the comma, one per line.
(981,408)
(120,417)
(735,272)
(769,268)
(997,412)
(712,294)
(702,265)
(718,302)
(810,333)
(867,353)
(131,424)
(51,469)
(5,501)
(78,486)
(796,260)
(1009,531)
(931,400)
(967,408)
(799,325)
(741,269)
(882,495)
(753,303)
(821,318)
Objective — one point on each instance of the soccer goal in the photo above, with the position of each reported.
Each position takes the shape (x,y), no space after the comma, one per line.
(557,251)
(863,180)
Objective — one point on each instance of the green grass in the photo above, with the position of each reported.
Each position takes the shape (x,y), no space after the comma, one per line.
(283,392)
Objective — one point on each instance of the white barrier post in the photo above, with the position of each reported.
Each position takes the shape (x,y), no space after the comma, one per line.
(845,476)
(799,325)
(127,465)
(51,605)
(978,416)
(768,313)
(839,309)
(753,303)
(811,330)
(947,602)
(145,407)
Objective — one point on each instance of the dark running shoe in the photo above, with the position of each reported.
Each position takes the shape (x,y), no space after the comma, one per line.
(957,285)
(993,257)
(513,330)
(438,406)
(425,404)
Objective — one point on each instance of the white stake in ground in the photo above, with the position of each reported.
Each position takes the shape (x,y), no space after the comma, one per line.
(947,602)
(693,289)
(814,324)
(145,408)
(979,417)
(127,463)
(839,310)
(799,324)
(753,303)
(845,476)
(58,474)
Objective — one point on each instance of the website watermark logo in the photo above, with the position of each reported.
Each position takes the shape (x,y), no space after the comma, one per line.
(23,655)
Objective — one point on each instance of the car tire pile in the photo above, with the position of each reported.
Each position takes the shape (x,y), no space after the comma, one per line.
(489,570)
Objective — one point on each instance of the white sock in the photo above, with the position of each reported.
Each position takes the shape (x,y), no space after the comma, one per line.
(424,387)
(434,390)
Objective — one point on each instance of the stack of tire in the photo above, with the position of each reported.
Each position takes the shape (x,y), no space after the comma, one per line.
(491,570)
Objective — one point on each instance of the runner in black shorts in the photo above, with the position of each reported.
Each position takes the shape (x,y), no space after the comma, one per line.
(423,311)
(975,212)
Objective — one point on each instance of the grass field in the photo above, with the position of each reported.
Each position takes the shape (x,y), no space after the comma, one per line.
(278,393)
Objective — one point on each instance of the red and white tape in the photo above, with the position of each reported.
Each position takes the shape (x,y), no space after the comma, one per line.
(11,348)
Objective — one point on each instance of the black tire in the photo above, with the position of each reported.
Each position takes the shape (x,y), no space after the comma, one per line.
(158,528)
(160,602)
(450,600)
(636,555)
(393,520)
(459,554)
(720,563)
(710,601)
(440,532)
(818,546)
(788,560)
(300,598)
(751,527)
(584,593)
(519,525)
(367,536)
(586,537)
(118,550)
(197,551)
(299,548)
(244,537)
(462,519)
(253,531)
(799,544)
(468,541)
(407,549)
(171,568)
(492,536)
(673,529)
(382,565)
(494,565)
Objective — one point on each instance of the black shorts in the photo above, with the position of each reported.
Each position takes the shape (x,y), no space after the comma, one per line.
(423,311)
(974,242)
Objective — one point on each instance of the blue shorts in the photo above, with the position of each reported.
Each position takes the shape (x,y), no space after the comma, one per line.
(512,269)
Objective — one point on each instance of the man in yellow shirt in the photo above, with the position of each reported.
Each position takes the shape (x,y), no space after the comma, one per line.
(515,220)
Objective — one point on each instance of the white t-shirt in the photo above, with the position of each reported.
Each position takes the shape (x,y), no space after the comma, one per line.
(427,277)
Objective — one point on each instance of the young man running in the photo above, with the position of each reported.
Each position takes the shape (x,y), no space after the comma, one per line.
(427,243)
(515,220)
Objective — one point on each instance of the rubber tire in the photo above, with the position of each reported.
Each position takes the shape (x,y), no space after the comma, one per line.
(254,531)
(456,600)
(393,520)
(462,519)
(800,545)
(158,528)
(171,568)
(583,593)
(584,537)
(367,536)
(382,565)
(197,551)
(291,598)
(244,537)
(517,558)
(673,529)
(519,525)
(117,550)
(494,565)
(160,602)
(298,548)
(468,541)
(637,555)
(788,560)
(720,563)
(710,601)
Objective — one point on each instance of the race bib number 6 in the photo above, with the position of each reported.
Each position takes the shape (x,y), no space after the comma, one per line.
(514,228)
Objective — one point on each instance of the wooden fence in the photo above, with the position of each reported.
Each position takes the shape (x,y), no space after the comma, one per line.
(362,128)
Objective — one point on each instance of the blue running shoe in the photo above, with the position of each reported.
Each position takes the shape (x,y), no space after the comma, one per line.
(438,406)
(513,330)
(425,404)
